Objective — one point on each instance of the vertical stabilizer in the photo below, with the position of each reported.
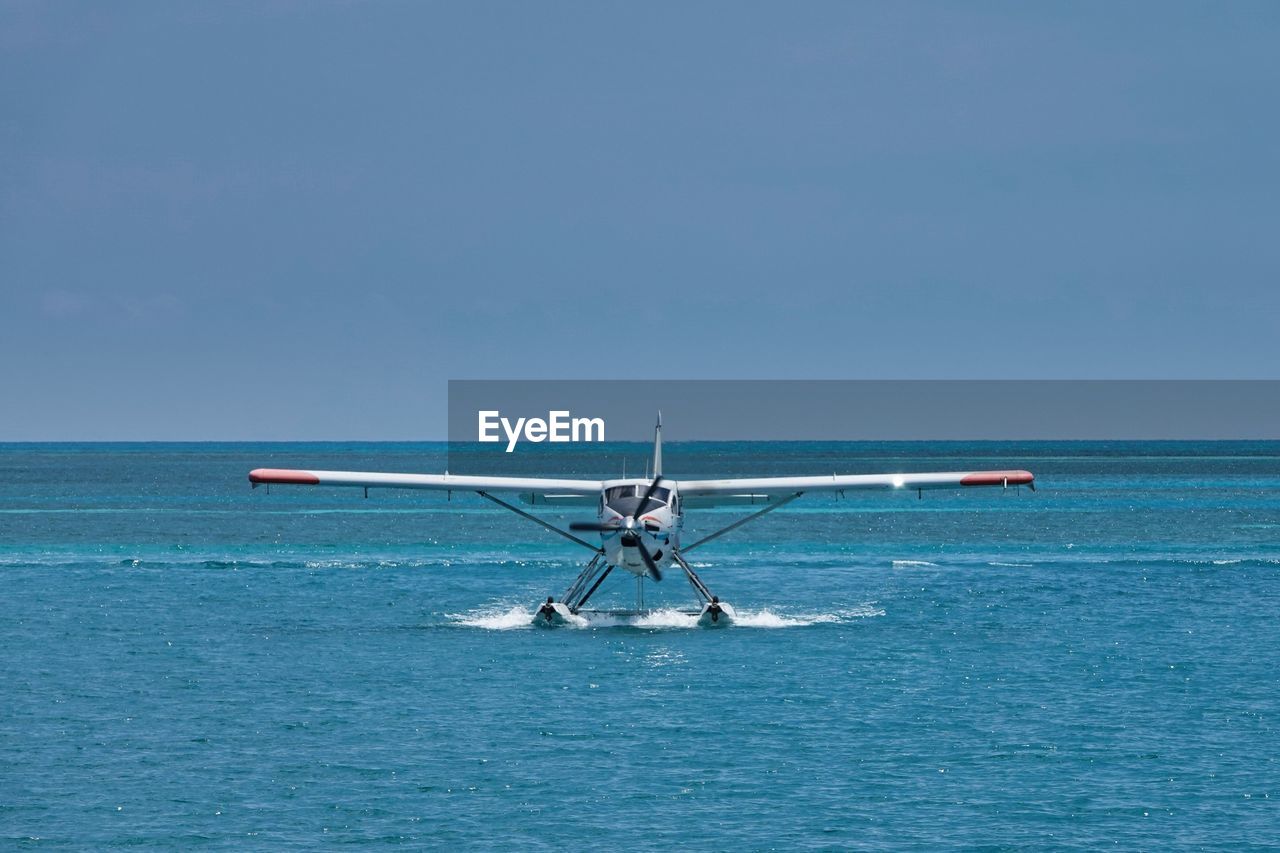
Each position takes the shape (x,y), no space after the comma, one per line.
(657,446)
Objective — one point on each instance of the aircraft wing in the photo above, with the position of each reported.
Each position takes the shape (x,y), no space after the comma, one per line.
(765,489)
(531,489)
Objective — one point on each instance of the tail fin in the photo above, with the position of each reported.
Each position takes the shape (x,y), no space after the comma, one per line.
(657,446)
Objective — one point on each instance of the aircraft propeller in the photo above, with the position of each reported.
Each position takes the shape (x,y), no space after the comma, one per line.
(629,529)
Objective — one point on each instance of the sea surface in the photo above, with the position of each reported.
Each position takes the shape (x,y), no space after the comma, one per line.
(186,663)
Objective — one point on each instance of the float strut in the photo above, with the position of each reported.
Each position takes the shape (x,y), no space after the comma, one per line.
(694,581)
(582,601)
(571,595)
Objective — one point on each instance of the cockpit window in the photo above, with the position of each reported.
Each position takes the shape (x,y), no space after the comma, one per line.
(660,494)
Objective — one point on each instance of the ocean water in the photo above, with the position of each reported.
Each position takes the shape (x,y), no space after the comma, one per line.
(188,663)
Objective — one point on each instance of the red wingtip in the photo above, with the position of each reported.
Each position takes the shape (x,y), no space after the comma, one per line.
(999,478)
(283,475)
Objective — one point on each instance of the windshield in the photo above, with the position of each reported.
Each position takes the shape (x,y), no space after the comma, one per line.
(624,500)
(660,494)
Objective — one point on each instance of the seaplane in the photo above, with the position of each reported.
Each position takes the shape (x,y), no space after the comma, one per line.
(639,521)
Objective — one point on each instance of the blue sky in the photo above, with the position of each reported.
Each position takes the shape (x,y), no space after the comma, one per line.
(298,220)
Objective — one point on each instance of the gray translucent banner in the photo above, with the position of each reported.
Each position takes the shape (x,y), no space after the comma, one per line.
(881,410)
(829,411)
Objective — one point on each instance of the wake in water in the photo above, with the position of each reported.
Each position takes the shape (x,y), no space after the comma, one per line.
(664,619)
(516,617)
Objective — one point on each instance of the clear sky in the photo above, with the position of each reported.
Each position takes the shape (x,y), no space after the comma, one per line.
(298,220)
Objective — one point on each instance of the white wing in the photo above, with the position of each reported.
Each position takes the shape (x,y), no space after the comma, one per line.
(532,489)
(763,489)
(694,492)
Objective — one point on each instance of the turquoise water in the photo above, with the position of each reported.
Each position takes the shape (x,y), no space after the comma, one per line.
(189,663)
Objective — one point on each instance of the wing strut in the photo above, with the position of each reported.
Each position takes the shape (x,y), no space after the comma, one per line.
(722,531)
(539,521)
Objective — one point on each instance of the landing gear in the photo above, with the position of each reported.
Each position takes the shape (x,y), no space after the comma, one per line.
(586,584)
(711,612)
(714,613)
(699,588)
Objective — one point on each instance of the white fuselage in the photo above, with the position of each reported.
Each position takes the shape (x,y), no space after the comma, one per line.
(657,527)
